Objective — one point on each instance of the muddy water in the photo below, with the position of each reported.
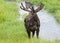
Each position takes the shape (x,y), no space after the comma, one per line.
(49,28)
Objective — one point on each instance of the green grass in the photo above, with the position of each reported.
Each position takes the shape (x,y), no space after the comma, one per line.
(8,11)
(11,29)
(14,32)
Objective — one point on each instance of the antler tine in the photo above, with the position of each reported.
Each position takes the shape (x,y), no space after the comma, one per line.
(23,8)
(22,5)
(29,5)
(40,7)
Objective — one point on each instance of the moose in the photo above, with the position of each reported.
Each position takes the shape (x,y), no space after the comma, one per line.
(32,22)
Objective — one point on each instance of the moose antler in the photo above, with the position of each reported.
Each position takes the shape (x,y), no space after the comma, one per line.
(29,5)
(40,7)
(23,8)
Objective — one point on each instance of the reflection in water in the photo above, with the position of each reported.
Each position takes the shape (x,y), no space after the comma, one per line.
(49,28)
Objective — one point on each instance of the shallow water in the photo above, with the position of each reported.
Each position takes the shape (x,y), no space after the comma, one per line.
(49,28)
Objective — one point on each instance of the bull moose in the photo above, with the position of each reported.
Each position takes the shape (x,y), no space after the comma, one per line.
(32,22)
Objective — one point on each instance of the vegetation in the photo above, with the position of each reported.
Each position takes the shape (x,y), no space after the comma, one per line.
(12,30)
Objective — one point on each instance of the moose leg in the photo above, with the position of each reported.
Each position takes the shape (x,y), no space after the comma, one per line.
(33,33)
(28,32)
(37,33)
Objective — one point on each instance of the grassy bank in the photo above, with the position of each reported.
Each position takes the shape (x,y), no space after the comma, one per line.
(14,32)
(8,11)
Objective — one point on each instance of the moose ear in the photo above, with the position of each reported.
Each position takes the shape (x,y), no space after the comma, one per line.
(40,7)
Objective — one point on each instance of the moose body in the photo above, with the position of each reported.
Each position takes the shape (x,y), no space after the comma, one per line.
(32,22)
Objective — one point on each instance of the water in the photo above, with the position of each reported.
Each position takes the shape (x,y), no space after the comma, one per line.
(49,28)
